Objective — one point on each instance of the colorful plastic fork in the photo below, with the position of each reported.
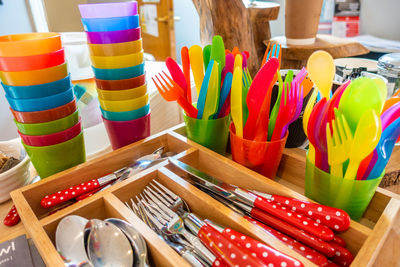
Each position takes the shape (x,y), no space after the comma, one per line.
(338,142)
(171,91)
(186,72)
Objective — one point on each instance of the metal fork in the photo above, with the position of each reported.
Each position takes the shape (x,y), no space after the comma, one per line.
(182,249)
(160,204)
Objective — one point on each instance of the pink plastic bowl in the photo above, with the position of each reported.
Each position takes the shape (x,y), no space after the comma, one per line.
(122,133)
(52,139)
(112,37)
(108,10)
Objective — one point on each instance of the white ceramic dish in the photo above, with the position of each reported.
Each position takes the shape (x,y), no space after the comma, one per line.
(17,176)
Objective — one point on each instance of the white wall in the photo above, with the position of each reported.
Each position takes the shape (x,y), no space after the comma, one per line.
(13,19)
(187,29)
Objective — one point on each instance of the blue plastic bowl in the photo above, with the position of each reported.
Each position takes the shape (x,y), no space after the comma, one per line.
(42,103)
(110,24)
(126,115)
(40,90)
(119,74)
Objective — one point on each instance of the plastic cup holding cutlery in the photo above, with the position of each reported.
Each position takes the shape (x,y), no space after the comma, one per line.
(260,156)
(212,134)
(353,196)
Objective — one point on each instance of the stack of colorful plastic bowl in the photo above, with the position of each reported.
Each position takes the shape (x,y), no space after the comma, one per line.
(115,46)
(40,93)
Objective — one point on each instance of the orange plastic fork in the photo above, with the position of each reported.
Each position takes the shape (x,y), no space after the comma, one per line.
(171,91)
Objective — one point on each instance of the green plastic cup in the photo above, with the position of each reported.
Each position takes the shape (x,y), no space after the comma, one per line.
(49,160)
(49,127)
(352,196)
(212,134)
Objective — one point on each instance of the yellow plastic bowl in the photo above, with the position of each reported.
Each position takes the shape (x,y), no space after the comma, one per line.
(126,94)
(124,105)
(116,49)
(117,62)
(34,77)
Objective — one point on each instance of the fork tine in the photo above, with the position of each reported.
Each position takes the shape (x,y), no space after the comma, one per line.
(166,84)
(163,198)
(153,208)
(346,127)
(160,204)
(266,54)
(163,86)
(169,192)
(151,217)
(159,87)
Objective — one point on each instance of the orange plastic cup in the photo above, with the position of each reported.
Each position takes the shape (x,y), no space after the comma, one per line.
(116,49)
(261,157)
(28,44)
(34,77)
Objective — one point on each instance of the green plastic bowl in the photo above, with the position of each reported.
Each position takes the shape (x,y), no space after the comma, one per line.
(49,127)
(49,160)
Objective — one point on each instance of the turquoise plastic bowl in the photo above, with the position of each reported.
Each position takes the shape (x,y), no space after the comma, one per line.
(110,24)
(126,115)
(40,90)
(119,74)
(42,103)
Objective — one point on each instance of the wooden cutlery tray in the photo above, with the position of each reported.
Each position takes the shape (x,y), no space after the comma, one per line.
(374,240)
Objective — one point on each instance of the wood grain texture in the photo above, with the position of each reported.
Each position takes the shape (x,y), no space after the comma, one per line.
(295,57)
(239,25)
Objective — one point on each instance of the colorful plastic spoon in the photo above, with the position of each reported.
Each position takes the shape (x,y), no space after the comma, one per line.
(203,92)
(366,137)
(225,91)
(321,68)
(206,55)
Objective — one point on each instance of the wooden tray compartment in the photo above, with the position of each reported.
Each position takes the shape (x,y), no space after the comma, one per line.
(109,207)
(97,168)
(369,243)
(202,205)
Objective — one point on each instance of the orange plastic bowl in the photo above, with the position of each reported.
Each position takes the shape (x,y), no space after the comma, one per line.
(45,115)
(28,44)
(34,77)
(34,62)
(121,84)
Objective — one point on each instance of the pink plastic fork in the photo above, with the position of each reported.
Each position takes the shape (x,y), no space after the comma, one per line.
(299,105)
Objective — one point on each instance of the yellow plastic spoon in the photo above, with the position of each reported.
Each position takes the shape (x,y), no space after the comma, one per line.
(238,61)
(306,117)
(321,69)
(196,62)
(236,101)
(366,137)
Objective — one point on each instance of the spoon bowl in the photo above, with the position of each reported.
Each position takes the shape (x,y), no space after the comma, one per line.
(321,69)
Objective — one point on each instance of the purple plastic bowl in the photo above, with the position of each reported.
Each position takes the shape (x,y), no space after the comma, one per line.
(113,36)
(122,133)
(108,10)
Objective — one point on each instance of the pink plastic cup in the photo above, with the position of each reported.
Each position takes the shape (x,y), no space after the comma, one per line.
(108,10)
(122,133)
(112,37)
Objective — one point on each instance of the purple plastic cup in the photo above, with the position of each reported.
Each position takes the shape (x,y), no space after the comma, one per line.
(108,10)
(112,37)
(122,133)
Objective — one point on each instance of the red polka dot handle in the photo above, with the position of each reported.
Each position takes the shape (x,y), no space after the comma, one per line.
(292,217)
(12,217)
(310,240)
(68,194)
(231,254)
(334,218)
(342,257)
(340,241)
(300,248)
(260,250)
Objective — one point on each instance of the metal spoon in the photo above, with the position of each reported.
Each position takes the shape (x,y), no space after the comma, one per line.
(70,240)
(108,246)
(136,239)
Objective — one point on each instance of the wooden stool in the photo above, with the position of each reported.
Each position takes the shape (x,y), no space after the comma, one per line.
(295,57)
(240,23)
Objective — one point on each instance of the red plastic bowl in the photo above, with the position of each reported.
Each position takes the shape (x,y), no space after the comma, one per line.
(45,115)
(33,62)
(52,139)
